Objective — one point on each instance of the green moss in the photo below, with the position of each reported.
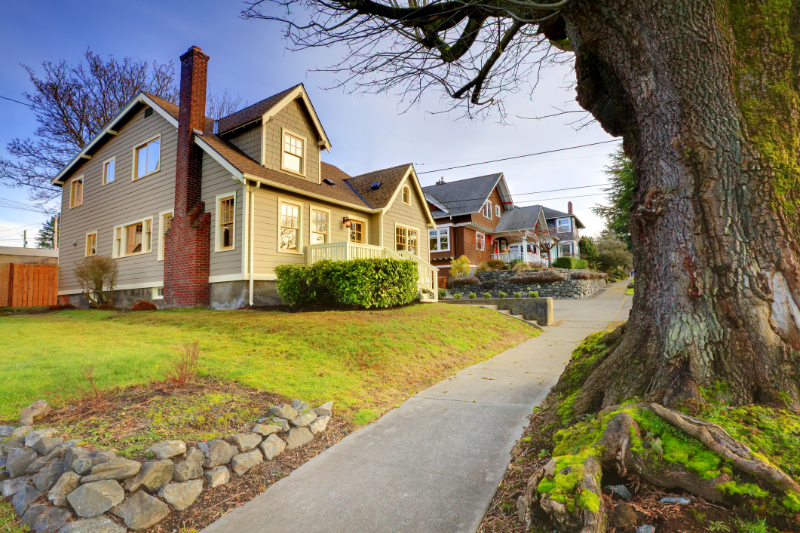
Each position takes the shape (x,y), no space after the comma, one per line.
(589,500)
(792,502)
(743,489)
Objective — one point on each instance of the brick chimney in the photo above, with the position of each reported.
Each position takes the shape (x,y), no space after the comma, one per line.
(569,207)
(187,250)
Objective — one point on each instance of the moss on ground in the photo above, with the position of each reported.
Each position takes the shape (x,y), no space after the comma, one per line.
(8,519)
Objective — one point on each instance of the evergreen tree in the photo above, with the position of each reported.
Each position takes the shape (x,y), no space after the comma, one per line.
(620,196)
(45,237)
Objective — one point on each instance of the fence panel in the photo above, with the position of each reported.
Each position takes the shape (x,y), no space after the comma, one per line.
(28,285)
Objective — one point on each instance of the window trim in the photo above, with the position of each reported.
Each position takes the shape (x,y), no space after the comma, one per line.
(477,241)
(396,225)
(217,233)
(106,162)
(311,210)
(569,224)
(124,238)
(364,221)
(86,244)
(406,192)
(304,157)
(155,295)
(439,240)
(80,178)
(497,210)
(162,242)
(135,162)
(298,204)
(486,210)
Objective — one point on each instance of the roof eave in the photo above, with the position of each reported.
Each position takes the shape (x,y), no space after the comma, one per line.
(300,92)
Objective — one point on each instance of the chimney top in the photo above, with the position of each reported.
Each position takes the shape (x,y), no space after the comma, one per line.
(441,181)
(569,207)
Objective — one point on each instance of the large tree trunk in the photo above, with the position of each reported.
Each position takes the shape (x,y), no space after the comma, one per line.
(705,95)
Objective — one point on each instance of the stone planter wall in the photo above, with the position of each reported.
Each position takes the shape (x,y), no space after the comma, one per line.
(496,281)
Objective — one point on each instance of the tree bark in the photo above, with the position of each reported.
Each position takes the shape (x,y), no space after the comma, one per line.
(705,96)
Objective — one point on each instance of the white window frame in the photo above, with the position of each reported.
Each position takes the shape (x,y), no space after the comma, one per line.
(162,242)
(480,243)
(559,225)
(486,211)
(86,244)
(412,228)
(439,232)
(497,210)
(304,157)
(298,204)
(124,239)
(366,229)
(311,210)
(136,162)
(157,296)
(561,249)
(72,204)
(105,165)
(217,228)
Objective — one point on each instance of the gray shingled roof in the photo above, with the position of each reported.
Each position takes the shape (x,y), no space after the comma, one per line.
(519,219)
(252,112)
(550,214)
(462,197)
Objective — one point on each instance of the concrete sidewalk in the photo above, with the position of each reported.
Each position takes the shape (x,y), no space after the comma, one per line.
(433,464)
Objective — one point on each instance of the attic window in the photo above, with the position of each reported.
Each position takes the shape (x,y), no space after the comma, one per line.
(148,112)
(329,182)
(375,185)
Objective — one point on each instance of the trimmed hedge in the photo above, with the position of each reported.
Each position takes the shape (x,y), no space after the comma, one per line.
(361,282)
(570,262)
(537,276)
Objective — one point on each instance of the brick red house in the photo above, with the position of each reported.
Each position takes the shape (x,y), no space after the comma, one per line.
(199,212)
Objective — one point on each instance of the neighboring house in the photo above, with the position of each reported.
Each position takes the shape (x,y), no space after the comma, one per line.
(199,212)
(28,256)
(477,218)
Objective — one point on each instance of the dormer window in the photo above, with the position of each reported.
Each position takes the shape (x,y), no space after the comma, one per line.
(293,153)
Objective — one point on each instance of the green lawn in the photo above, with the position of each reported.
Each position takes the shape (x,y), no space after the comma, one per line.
(366,361)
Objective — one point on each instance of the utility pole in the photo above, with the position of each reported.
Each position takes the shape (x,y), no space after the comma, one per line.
(25,238)
(55,232)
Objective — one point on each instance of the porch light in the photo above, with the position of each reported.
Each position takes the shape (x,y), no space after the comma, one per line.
(346,222)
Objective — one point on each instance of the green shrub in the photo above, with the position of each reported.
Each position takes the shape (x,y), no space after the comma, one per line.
(487,294)
(457,296)
(570,262)
(472,295)
(361,282)
(533,294)
(502,295)
(517,295)
(442,294)
(495,264)
(460,268)
(619,273)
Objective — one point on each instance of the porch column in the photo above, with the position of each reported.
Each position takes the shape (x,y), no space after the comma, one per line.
(524,249)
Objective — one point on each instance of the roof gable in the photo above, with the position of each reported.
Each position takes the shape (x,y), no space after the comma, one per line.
(550,214)
(521,218)
(465,197)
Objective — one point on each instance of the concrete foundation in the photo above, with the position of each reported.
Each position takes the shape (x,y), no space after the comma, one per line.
(236,294)
(538,309)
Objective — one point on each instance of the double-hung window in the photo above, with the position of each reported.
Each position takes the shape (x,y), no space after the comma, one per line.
(407,239)
(76,192)
(497,211)
(293,153)
(440,240)
(480,241)
(147,158)
(566,250)
(564,225)
(487,209)
(91,244)
(289,228)
(319,226)
(226,211)
(134,238)
(109,168)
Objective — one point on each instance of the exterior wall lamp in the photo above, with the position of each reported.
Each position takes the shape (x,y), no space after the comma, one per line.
(346,222)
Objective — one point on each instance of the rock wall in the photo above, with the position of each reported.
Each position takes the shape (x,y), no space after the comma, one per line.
(496,281)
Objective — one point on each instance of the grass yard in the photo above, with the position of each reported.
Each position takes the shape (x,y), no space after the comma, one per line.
(366,361)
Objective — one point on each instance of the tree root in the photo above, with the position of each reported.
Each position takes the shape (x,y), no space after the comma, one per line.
(567,491)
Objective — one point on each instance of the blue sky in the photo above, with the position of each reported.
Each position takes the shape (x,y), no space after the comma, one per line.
(248,58)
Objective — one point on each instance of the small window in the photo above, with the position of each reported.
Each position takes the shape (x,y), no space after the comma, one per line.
(293,153)
(480,241)
(166,223)
(91,244)
(319,227)
(226,217)
(158,293)
(440,240)
(148,158)
(289,229)
(118,242)
(487,209)
(356,231)
(108,171)
(406,196)
(564,224)
(406,239)
(497,211)
(76,193)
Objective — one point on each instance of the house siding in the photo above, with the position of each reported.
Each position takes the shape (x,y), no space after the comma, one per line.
(218,181)
(124,200)
(295,119)
(248,140)
(490,223)
(409,215)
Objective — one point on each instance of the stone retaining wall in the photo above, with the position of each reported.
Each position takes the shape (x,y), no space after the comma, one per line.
(495,282)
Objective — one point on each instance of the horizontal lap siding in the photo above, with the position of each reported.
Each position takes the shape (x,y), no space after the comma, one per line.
(296,119)
(412,215)
(216,181)
(124,200)
(266,255)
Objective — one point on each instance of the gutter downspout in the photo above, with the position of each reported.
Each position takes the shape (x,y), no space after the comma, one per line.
(251,237)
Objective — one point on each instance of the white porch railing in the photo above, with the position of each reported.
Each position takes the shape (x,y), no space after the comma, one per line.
(345,251)
(526,257)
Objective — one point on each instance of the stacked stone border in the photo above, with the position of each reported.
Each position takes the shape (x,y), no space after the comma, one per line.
(496,281)
(57,486)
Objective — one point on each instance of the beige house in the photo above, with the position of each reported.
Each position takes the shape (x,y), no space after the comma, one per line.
(199,212)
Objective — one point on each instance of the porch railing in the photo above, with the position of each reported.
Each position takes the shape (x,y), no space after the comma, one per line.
(526,257)
(346,251)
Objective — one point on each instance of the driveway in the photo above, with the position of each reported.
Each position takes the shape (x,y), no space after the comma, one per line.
(433,464)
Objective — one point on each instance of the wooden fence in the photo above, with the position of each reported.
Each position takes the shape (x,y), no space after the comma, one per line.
(28,285)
